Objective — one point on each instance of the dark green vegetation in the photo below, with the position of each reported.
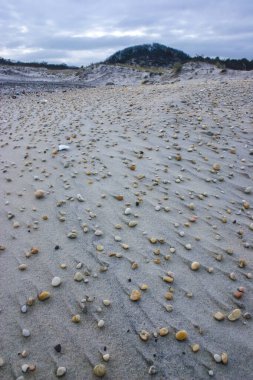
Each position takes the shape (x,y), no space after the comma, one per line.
(51,66)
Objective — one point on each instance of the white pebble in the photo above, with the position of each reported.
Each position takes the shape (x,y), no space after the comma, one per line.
(26,332)
(101,323)
(61,371)
(128,211)
(56,281)
(24,309)
(217,358)
(25,368)
(1,362)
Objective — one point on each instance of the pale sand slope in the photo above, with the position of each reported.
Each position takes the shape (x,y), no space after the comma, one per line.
(203,121)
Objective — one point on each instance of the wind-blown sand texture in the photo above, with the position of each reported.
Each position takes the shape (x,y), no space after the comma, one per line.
(155,178)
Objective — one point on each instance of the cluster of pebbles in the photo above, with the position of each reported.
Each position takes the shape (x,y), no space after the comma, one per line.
(127,252)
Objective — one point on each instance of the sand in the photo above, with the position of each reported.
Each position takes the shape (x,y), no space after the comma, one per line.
(181,157)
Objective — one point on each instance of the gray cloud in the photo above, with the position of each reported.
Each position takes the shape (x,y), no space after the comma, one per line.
(82,31)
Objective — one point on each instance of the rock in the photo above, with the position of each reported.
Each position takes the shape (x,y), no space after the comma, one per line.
(128,211)
(217,358)
(188,246)
(195,265)
(98,233)
(80,198)
(101,323)
(135,295)
(26,333)
(99,370)
(169,296)
(106,357)
(22,267)
(57,348)
(216,167)
(44,295)
(23,309)
(78,276)
(1,362)
(25,368)
(107,302)
(168,279)
(234,315)
(132,223)
(56,281)
(99,247)
(76,318)
(39,194)
(72,234)
(61,371)
(163,331)
(219,316)
(144,335)
(224,358)
(143,286)
(181,335)
(119,197)
(195,347)
(152,370)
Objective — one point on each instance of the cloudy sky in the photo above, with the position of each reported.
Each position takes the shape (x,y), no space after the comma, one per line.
(83,31)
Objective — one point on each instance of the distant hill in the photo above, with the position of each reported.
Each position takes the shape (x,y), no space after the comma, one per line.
(148,55)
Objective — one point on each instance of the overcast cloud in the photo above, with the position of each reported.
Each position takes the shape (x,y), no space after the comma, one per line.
(83,31)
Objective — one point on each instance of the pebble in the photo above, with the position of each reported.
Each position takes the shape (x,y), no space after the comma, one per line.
(25,368)
(144,335)
(224,358)
(101,323)
(1,362)
(24,309)
(195,347)
(22,267)
(76,318)
(152,370)
(56,281)
(106,357)
(39,194)
(44,295)
(163,331)
(72,234)
(61,371)
(80,198)
(135,295)
(128,211)
(234,315)
(195,265)
(181,335)
(26,332)
(107,302)
(217,358)
(219,316)
(78,276)
(188,246)
(132,223)
(99,370)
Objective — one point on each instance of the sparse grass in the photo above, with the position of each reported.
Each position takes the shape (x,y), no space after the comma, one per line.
(177,67)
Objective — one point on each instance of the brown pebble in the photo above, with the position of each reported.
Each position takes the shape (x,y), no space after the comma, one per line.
(119,197)
(135,295)
(181,335)
(76,318)
(144,335)
(163,331)
(99,370)
(39,194)
(44,295)
(168,296)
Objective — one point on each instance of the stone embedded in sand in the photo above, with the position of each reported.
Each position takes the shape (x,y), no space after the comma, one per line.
(224,358)
(106,357)
(78,276)
(195,347)
(216,167)
(56,281)
(72,234)
(217,358)
(98,233)
(34,250)
(135,295)
(119,197)
(39,194)
(143,286)
(163,331)
(234,315)
(61,371)
(101,323)
(195,265)
(44,295)
(80,198)
(242,263)
(99,247)
(76,318)
(153,240)
(219,316)
(99,370)
(168,296)
(26,333)
(132,223)
(237,294)
(128,211)
(245,205)
(144,335)
(181,335)
(22,267)
(191,206)
(132,167)
(168,279)
(188,246)
(25,368)
(107,302)
(1,362)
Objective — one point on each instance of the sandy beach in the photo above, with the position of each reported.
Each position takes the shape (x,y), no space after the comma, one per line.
(128,254)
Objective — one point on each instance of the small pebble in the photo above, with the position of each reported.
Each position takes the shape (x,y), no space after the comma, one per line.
(61,371)
(181,335)
(99,370)
(26,333)
(44,295)
(78,276)
(39,194)
(234,315)
(56,281)
(101,323)
(195,265)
